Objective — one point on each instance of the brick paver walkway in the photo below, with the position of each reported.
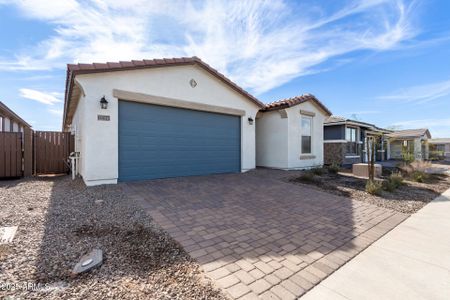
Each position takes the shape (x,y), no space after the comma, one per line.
(258,236)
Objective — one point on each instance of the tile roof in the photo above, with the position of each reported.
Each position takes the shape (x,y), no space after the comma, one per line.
(439,141)
(75,69)
(410,133)
(289,102)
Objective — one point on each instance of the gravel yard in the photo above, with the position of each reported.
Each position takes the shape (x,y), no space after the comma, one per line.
(60,220)
(408,198)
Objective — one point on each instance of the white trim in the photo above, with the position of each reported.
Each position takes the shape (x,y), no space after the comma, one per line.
(334,141)
(352,156)
(159,100)
(311,130)
(93,182)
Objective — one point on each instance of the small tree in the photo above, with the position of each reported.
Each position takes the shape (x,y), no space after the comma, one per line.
(371,145)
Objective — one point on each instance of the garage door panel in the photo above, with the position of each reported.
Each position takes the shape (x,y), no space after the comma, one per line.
(159,142)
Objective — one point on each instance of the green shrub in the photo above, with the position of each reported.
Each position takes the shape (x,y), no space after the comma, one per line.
(374,187)
(419,176)
(389,186)
(334,168)
(396,179)
(308,177)
(408,157)
(318,171)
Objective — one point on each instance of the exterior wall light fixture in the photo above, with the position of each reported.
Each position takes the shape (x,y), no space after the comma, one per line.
(103,103)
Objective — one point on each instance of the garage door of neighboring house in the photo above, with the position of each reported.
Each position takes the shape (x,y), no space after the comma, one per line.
(160,142)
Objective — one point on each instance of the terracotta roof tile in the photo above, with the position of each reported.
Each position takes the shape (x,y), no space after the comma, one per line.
(75,69)
(289,102)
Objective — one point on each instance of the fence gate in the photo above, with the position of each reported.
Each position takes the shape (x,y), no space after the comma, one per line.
(10,154)
(51,150)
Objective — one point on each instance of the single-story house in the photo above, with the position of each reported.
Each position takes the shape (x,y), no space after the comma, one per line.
(289,133)
(440,148)
(10,121)
(345,141)
(158,118)
(412,141)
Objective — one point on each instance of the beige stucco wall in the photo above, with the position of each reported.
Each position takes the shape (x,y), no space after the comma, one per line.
(99,149)
(294,138)
(279,139)
(272,141)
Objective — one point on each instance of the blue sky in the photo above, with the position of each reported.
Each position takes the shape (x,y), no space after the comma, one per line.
(380,61)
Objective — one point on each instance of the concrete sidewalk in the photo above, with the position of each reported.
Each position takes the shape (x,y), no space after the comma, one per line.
(410,262)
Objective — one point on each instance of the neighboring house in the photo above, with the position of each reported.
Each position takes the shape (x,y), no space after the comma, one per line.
(10,121)
(163,118)
(413,141)
(289,133)
(440,148)
(345,141)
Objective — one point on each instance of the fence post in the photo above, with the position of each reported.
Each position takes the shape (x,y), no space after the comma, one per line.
(27,152)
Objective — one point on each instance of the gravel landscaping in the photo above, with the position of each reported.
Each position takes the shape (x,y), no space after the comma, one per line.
(60,220)
(408,198)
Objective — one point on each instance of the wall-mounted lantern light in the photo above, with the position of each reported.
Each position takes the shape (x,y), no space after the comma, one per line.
(103,103)
(250,120)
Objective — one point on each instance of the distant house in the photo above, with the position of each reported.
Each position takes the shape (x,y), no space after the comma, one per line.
(345,141)
(289,133)
(413,141)
(440,147)
(10,121)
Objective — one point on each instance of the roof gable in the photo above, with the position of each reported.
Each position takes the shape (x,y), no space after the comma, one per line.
(289,102)
(77,69)
(410,133)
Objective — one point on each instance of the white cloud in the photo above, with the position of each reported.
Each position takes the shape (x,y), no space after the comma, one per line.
(437,127)
(259,44)
(420,93)
(57,112)
(42,97)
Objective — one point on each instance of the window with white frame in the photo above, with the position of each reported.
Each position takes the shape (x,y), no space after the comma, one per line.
(1,123)
(350,137)
(306,134)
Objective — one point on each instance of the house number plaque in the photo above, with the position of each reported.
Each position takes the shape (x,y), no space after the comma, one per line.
(102,118)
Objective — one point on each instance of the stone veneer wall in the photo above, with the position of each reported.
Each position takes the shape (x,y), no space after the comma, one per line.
(334,153)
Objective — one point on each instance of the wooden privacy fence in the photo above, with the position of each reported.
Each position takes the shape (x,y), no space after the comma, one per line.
(11,163)
(40,152)
(51,150)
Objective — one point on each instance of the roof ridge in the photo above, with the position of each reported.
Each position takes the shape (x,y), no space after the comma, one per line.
(292,98)
(83,68)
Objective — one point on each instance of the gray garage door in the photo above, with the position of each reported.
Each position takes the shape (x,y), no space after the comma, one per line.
(159,142)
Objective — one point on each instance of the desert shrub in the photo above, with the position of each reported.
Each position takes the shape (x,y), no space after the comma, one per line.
(408,157)
(389,186)
(396,179)
(318,171)
(419,176)
(374,187)
(333,168)
(436,155)
(308,177)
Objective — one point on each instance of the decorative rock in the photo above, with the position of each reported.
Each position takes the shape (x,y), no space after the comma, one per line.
(7,234)
(89,261)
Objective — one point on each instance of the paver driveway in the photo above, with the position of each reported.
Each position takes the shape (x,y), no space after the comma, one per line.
(257,235)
